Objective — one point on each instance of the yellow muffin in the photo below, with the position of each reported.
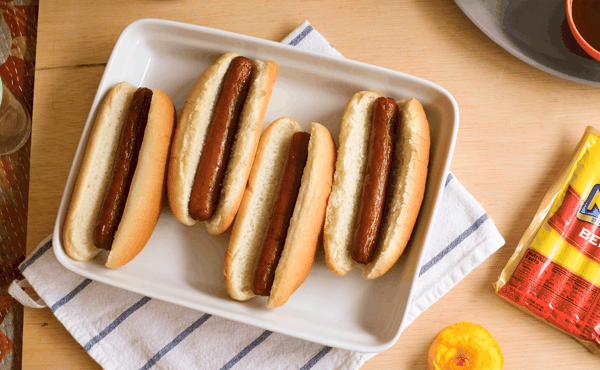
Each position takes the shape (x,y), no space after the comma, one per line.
(465,346)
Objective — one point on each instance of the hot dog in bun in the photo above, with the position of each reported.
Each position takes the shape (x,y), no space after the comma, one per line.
(275,235)
(379,183)
(117,198)
(216,140)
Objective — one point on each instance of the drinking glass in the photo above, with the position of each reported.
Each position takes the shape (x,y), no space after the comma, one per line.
(15,123)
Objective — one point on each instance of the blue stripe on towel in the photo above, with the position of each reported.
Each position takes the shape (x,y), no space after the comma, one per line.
(36,255)
(302,35)
(70,296)
(448,179)
(265,334)
(316,359)
(454,243)
(176,341)
(116,323)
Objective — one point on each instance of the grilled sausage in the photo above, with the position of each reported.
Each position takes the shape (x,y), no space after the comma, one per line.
(282,213)
(379,160)
(207,182)
(123,169)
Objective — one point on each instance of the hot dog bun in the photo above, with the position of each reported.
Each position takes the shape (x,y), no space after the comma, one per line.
(190,139)
(306,223)
(405,187)
(145,195)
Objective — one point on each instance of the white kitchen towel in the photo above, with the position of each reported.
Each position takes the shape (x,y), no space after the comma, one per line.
(124,330)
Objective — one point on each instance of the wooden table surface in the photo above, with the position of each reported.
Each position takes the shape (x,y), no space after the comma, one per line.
(518,126)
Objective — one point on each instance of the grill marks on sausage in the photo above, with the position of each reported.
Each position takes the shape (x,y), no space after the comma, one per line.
(283,208)
(123,169)
(379,160)
(221,133)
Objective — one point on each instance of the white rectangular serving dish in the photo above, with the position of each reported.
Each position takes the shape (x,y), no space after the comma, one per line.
(183,265)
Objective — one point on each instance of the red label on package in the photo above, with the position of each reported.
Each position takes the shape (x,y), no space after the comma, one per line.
(577,222)
(556,294)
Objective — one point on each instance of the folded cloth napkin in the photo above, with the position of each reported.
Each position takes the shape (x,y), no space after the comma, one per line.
(124,330)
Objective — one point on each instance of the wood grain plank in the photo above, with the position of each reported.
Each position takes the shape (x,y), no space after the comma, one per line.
(56,348)
(62,101)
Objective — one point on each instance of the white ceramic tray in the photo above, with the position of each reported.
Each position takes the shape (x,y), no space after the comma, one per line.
(183,265)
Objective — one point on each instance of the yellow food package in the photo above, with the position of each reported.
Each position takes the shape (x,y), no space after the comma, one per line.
(554,273)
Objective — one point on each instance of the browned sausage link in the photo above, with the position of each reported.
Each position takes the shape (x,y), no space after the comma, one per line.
(123,169)
(283,207)
(379,160)
(207,183)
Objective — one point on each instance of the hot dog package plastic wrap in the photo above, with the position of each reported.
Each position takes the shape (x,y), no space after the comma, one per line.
(554,273)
